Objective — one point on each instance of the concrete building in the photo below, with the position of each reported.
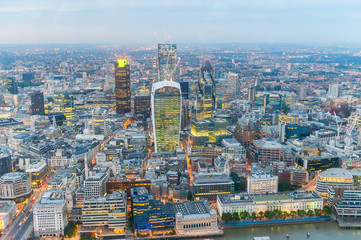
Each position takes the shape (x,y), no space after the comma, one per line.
(210,185)
(109,212)
(15,186)
(94,184)
(37,172)
(262,182)
(99,122)
(293,201)
(194,216)
(334,90)
(7,213)
(333,177)
(50,216)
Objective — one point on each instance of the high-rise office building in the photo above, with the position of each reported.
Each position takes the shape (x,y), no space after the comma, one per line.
(166,115)
(99,122)
(334,90)
(251,93)
(303,91)
(122,86)
(64,103)
(142,105)
(12,85)
(206,92)
(37,103)
(167,62)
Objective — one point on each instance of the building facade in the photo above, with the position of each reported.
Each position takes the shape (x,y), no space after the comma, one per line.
(50,217)
(109,211)
(209,186)
(122,86)
(15,186)
(293,201)
(142,105)
(166,115)
(167,62)
(333,177)
(37,103)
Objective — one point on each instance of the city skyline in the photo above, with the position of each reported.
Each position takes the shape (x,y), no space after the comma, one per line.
(144,22)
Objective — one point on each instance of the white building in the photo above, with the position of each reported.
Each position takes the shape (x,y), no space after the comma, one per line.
(109,211)
(333,177)
(50,217)
(334,90)
(94,185)
(195,216)
(293,201)
(14,185)
(7,213)
(58,160)
(261,182)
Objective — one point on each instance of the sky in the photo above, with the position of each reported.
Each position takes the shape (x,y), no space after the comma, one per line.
(180,21)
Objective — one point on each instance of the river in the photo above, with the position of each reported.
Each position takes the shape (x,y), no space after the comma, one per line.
(318,231)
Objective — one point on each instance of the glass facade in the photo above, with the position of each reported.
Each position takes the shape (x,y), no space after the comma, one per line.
(122,86)
(166,115)
(206,99)
(64,103)
(167,62)
(37,103)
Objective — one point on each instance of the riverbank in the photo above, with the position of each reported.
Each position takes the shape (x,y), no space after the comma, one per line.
(277,222)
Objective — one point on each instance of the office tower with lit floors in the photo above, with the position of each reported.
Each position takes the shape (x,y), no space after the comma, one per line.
(122,86)
(206,92)
(37,103)
(166,98)
(64,103)
(167,62)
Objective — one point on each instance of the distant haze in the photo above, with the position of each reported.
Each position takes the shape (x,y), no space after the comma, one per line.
(180,21)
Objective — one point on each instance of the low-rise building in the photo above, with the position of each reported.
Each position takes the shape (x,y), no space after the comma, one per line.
(194,216)
(94,184)
(50,217)
(261,182)
(37,172)
(108,213)
(293,201)
(7,213)
(210,185)
(15,186)
(333,177)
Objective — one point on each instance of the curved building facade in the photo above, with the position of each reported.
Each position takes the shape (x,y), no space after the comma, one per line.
(206,92)
(166,99)
(333,177)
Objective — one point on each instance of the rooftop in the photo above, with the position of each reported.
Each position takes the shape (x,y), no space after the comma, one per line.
(336,173)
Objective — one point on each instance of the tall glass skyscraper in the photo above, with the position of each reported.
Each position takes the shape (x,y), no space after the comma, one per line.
(37,103)
(206,92)
(122,86)
(167,62)
(166,99)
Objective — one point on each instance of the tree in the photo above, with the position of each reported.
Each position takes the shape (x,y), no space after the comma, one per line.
(327,210)
(310,213)
(285,214)
(70,229)
(277,213)
(301,213)
(284,186)
(261,215)
(226,217)
(244,215)
(293,214)
(318,212)
(254,215)
(277,88)
(190,196)
(242,184)
(235,216)
(268,214)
